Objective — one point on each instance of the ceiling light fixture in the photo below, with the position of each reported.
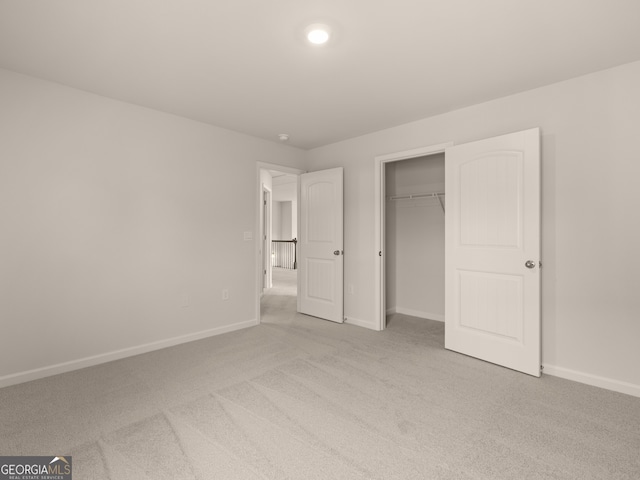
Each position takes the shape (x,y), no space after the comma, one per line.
(318,33)
(283,137)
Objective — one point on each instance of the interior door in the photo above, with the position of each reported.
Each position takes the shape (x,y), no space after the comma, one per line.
(492,239)
(321,262)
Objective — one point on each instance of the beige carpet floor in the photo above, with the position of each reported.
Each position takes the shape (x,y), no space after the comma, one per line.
(301,398)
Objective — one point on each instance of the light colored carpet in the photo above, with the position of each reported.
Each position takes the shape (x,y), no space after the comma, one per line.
(302,398)
(285,282)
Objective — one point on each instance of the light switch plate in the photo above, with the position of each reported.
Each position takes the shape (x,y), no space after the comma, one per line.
(248,236)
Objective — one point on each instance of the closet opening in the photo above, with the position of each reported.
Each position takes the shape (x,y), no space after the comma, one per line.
(414,237)
(490,297)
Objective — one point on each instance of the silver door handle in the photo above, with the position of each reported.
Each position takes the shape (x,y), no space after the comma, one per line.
(530,264)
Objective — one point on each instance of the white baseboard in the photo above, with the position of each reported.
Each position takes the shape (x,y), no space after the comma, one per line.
(417,313)
(594,380)
(48,371)
(361,323)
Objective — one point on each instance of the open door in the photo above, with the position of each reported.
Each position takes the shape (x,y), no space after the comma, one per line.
(492,264)
(320,265)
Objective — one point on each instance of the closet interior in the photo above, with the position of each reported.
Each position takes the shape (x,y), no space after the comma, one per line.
(415,204)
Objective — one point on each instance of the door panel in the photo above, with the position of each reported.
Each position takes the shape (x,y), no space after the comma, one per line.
(320,275)
(490,200)
(492,304)
(320,269)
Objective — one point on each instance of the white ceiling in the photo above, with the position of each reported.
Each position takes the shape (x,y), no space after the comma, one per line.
(243,64)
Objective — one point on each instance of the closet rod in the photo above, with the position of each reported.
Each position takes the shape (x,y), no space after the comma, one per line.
(437,195)
(417,195)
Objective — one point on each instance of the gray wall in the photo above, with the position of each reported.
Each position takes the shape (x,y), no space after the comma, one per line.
(111,215)
(591,232)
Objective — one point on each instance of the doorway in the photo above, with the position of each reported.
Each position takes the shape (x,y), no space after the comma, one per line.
(381,163)
(492,247)
(277,219)
(415,237)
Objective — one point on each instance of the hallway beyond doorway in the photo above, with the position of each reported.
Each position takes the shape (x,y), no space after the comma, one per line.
(280,301)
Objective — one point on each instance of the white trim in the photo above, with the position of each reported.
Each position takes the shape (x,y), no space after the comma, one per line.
(438,317)
(258,239)
(279,168)
(379,188)
(299,244)
(593,380)
(361,323)
(414,153)
(416,313)
(268,223)
(48,371)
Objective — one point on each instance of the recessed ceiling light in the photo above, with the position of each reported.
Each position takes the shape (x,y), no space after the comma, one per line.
(318,33)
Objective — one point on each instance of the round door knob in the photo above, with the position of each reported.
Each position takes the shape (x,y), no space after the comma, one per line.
(530,264)
(336,252)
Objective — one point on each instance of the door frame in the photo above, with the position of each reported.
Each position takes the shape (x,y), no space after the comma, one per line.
(380,162)
(258,241)
(266,235)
